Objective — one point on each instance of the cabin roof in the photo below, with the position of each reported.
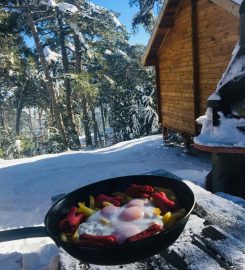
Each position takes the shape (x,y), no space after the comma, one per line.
(166,19)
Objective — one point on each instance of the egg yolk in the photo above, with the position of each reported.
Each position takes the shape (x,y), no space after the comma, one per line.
(131,213)
(136,202)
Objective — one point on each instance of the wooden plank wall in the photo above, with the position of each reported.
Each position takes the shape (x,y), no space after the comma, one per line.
(175,68)
(218,32)
(217,36)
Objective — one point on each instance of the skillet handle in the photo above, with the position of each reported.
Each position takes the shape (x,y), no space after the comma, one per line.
(22,233)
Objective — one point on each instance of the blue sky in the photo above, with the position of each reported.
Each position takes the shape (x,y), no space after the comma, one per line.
(126,15)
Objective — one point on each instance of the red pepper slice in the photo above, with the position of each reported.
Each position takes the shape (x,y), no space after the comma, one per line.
(105,240)
(139,191)
(153,229)
(160,200)
(70,223)
(104,198)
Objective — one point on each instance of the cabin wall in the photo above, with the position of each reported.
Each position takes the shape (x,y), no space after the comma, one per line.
(175,72)
(217,34)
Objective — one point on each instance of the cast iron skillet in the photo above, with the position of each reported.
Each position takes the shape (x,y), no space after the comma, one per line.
(123,253)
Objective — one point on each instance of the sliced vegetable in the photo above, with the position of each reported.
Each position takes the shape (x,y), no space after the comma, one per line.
(70,223)
(104,198)
(170,219)
(162,201)
(82,208)
(91,202)
(104,240)
(153,229)
(138,191)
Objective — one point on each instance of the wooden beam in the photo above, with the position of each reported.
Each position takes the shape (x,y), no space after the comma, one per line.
(167,23)
(195,62)
(158,89)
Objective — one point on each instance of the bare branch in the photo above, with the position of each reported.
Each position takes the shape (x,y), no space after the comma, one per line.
(42,19)
(11,7)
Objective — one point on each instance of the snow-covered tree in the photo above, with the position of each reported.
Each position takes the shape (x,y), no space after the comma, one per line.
(148,10)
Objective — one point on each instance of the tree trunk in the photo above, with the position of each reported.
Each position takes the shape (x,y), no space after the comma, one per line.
(57,116)
(67,84)
(84,101)
(31,125)
(2,119)
(18,117)
(19,109)
(86,121)
(40,114)
(95,128)
(103,122)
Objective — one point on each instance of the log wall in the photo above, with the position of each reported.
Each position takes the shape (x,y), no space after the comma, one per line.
(175,68)
(217,34)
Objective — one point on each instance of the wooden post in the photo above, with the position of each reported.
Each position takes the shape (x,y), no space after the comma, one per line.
(158,89)
(195,62)
(228,173)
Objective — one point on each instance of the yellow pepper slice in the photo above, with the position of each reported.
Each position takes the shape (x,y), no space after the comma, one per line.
(166,217)
(91,202)
(104,203)
(63,237)
(75,236)
(169,219)
(82,208)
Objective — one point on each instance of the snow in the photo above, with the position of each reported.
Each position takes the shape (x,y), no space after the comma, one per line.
(74,27)
(95,8)
(238,1)
(122,53)
(108,52)
(27,185)
(63,7)
(115,20)
(66,7)
(112,82)
(50,3)
(226,134)
(214,96)
(50,55)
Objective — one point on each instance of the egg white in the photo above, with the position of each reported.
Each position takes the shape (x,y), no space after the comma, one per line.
(105,222)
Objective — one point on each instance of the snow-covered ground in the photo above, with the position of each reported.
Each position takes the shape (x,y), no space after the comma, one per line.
(27,185)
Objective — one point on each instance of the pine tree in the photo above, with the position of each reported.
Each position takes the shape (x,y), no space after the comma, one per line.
(146,14)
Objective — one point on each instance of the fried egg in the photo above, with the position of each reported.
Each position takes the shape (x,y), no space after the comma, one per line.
(123,222)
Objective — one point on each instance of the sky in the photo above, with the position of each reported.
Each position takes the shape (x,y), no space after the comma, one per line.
(126,15)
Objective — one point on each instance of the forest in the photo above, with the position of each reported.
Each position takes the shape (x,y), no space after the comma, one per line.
(69,77)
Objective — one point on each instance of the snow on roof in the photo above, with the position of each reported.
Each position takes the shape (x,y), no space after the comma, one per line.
(214,96)
(235,66)
(238,1)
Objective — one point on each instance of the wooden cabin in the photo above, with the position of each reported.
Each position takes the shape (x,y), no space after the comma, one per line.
(190,47)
